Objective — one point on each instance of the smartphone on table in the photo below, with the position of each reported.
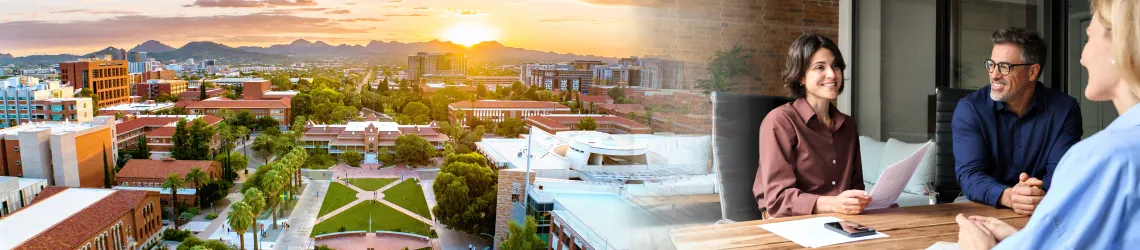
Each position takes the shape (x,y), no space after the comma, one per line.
(851,229)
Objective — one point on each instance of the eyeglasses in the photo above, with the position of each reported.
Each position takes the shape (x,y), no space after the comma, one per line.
(1003,68)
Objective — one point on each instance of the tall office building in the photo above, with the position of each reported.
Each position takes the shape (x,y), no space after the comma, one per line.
(436,64)
(108,79)
(137,56)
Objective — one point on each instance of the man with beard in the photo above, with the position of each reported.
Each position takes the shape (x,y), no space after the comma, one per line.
(1010,135)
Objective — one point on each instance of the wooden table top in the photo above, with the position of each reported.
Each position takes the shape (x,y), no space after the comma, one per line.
(908,227)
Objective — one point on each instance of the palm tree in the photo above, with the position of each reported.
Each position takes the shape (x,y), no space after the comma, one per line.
(723,67)
(272,183)
(173,182)
(256,201)
(266,145)
(198,178)
(240,218)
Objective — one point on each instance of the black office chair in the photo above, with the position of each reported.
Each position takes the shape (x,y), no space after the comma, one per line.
(942,113)
(736,147)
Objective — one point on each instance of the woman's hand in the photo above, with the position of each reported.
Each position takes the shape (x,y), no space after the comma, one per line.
(972,235)
(848,202)
(998,228)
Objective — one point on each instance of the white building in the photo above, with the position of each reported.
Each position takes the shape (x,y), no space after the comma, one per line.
(595,190)
(64,153)
(15,193)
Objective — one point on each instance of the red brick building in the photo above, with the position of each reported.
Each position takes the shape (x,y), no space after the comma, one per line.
(84,218)
(157,75)
(191,94)
(107,79)
(150,174)
(606,123)
(277,109)
(153,88)
(497,111)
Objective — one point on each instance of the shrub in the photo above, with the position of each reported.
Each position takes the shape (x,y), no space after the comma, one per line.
(175,235)
(342,229)
(433,234)
(324,247)
(185,216)
(211,216)
(194,211)
(192,242)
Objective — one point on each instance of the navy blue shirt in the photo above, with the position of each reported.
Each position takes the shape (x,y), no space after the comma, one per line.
(993,146)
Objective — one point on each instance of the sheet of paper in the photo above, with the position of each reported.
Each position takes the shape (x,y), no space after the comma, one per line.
(942,245)
(812,233)
(891,183)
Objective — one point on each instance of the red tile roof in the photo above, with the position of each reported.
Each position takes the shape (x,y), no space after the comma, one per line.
(83,225)
(497,104)
(130,125)
(622,108)
(283,103)
(158,169)
(595,99)
(161,132)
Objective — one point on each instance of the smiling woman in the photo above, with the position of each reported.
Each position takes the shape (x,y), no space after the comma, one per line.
(469,33)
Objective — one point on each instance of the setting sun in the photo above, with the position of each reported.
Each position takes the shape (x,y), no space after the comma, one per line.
(469,33)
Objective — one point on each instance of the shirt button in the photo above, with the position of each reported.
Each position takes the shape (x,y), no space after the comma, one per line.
(832,183)
(832,161)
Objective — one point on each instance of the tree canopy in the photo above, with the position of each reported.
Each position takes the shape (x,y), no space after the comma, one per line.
(465,189)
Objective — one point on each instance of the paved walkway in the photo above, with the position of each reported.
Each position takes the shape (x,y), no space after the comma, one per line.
(217,223)
(303,218)
(378,241)
(342,171)
(362,196)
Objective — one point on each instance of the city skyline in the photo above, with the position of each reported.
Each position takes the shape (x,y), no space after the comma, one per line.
(587,27)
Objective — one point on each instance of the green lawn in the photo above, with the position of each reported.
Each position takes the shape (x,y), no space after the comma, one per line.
(338,195)
(383,218)
(370,184)
(410,196)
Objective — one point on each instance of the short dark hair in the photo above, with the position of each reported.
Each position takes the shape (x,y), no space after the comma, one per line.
(1033,48)
(799,57)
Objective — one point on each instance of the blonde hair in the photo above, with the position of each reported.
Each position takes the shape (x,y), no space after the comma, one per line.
(1121,18)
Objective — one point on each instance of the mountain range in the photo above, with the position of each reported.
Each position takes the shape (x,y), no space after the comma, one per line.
(488,51)
(151,46)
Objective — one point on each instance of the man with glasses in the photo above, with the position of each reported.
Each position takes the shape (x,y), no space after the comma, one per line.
(1010,135)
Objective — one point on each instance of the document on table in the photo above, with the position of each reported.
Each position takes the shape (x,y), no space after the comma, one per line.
(812,233)
(942,245)
(891,183)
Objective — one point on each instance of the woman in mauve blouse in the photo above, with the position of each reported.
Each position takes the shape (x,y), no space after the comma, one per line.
(809,151)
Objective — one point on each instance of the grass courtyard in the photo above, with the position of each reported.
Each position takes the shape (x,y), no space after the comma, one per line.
(338,196)
(370,184)
(410,196)
(407,194)
(383,218)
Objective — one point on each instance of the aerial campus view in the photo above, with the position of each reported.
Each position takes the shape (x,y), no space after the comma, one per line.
(343,124)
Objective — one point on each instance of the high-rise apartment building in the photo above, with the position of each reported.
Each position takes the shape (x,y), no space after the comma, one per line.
(27,99)
(106,78)
(436,64)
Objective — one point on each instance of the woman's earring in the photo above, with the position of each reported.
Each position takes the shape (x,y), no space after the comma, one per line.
(1113,62)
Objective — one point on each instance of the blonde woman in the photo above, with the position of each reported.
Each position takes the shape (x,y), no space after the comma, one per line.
(1094,202)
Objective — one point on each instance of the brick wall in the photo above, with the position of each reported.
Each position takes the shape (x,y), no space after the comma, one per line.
(503,203)
(693,30)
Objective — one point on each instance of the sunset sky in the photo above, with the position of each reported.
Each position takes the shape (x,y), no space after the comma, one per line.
(599,27)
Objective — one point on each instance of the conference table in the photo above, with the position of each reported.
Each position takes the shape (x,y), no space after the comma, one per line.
(916,227)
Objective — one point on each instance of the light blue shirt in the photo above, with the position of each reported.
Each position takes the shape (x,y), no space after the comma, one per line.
(1094,200)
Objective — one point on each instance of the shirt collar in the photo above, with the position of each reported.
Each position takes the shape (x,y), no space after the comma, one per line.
(1130,118)
(806,112)
(1036,103)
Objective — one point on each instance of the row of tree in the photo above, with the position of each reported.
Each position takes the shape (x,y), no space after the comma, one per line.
(265,190)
